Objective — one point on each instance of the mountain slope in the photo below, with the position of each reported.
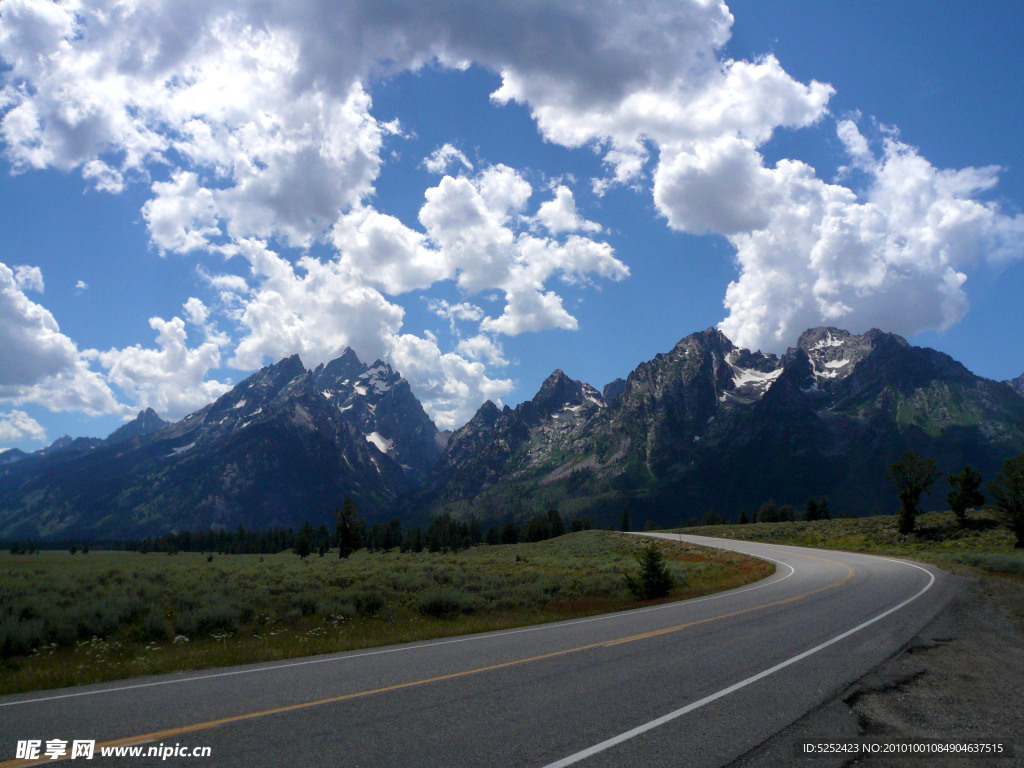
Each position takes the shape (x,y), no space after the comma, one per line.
(704,426)
(283,446)
(711,426)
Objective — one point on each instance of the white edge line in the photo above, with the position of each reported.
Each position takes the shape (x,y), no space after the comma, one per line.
(767,582)
(583,754)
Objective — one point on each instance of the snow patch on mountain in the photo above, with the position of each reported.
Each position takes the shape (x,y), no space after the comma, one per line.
(828,341)
(379,441)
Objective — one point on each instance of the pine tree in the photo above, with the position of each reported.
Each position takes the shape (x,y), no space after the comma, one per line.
(912,476)
(965,492)
(349,529)
(654,579)
(1008,492)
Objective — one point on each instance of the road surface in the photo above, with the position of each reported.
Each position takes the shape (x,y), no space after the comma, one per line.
(694,683)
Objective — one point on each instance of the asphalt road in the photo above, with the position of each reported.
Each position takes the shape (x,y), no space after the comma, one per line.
(695,683)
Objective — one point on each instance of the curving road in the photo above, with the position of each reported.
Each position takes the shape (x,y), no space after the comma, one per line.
(695,683)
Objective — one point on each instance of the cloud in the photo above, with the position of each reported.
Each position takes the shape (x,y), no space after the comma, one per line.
(34,348)
(251,125)
(559,215)
(481,227)
(196,312)
(81,286)
(462,311)
(173,378)
(16,426)
(316,309)
(483,347)
(442,158)
(892,257)
(182,216)
(41,364)
(451,387)
(29,278)
(378,249)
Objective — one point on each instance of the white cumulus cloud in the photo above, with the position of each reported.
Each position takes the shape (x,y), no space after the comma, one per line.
(891,257)
(29,278)
(173,378)
(18,425)
(251,127)
(444,157)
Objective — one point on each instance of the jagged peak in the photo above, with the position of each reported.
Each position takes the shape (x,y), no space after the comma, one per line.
(613,389)
(557,377)
(556,390)
(345,366)
(819,338)
(709,337)
(1017,384)
(147,422)
(484,418)
(377,368)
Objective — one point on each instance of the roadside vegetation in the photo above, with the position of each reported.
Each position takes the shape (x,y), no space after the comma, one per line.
(983,541)
(987,536)
(68,618)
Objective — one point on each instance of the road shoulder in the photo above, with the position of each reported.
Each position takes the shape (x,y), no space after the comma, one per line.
(957,679)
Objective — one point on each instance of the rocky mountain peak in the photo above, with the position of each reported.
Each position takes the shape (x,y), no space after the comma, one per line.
(12,455)
(834,352)
(559,391)
(613,389)
(147,422)
(344,368)
(1018,384)
(708,338)
(486,414)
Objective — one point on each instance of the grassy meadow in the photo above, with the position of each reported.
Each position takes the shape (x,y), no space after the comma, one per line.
(71,619)
(984,543)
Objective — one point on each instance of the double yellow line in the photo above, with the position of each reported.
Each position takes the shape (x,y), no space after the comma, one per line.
(169,733)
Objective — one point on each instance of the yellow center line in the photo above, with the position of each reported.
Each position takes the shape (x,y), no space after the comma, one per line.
(167,733)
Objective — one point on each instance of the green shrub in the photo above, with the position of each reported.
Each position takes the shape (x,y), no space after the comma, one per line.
(445,602)
(19,637)
(368,601)
(154,627)
(654,579)
(998,563)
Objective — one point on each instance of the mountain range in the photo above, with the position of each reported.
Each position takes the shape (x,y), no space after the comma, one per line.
(704,426)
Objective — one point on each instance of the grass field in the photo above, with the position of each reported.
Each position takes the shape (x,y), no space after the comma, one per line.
(984,543)
(71,619)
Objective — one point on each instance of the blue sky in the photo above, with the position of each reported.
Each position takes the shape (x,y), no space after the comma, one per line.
(480,193)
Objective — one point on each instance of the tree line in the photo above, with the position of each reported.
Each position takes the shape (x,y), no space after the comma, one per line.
(351,532)
(913,476)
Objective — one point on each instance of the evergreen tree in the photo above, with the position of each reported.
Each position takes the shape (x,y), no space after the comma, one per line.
(816,509)
(493,536)
(509,533)
(625,525)
(768,512)
(302,546)
(912,476)
(1008,492)
(743,517)
(556,526)
(654,579)
(348,530)
(965,492)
